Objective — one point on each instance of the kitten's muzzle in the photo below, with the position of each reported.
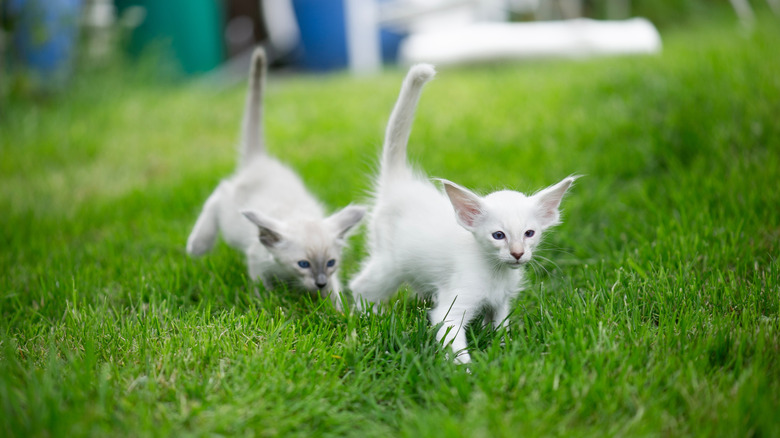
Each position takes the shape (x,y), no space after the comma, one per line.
(517,255)
(321,281)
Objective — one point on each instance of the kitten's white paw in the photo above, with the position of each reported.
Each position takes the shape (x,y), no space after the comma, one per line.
(335,298)
(197,247)
(365,306)
(463,359)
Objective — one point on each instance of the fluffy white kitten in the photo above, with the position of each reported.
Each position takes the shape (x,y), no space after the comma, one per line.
(265,211)
(465,251)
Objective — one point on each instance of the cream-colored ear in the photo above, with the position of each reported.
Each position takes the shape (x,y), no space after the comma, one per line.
(269,230)
(468,206)
(344,220)
(548,201)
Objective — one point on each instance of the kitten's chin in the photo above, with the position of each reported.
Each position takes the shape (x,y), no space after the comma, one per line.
(515,264)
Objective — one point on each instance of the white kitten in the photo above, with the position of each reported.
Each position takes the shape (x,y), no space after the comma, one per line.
(265,211)
(466,252)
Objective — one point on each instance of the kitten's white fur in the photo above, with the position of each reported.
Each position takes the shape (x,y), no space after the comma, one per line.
(265,211)
(442,244)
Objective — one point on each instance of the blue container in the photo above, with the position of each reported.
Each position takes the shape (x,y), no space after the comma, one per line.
(44,36)
(324,37)
(323,33)
(391,42)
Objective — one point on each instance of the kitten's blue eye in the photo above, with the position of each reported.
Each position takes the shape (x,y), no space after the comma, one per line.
(529,233)
(331,263)
(304,264)
(499,235)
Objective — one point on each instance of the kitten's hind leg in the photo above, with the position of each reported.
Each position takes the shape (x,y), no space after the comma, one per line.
(454,317)
(260,264)
(204,233)
(255,275)
(372,285)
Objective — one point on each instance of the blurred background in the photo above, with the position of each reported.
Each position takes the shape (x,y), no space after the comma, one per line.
(44,42)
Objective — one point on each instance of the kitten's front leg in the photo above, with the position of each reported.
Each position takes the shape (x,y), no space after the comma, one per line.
(334,292)
(266,282)
(259,269)
(373,284)
(501,315)
(204,233)
(501,319)
(455,317)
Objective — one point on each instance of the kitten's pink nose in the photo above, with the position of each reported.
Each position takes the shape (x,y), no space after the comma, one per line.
(517,255)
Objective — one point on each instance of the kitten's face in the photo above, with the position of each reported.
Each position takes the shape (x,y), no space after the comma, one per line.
(312,254)
(510,229)
(308,250)
(508,225)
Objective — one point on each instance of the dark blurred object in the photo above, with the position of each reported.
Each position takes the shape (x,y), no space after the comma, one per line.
(190,29)
(43,35)
(244,27)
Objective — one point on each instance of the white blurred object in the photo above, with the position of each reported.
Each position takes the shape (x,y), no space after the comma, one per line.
(774,5)
(426,15)
(480,42)
(364,18)
(363,45)
(745,12)
(281,25)
(99,17)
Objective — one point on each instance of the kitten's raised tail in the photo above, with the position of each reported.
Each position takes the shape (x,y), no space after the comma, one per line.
(252,143)
(400,124)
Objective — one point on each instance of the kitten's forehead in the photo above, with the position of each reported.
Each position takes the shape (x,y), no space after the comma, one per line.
(313,236)
(510,208)
(505,197)
(508,201)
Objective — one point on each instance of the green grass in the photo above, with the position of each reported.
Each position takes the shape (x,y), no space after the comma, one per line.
(659,315)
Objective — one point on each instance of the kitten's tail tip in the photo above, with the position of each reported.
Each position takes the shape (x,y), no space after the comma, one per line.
(422,73)
(258,58)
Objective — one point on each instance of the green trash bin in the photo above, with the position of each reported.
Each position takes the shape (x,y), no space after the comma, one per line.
(192,29)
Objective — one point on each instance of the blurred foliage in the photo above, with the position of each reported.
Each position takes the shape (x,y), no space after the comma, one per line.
(664,13)
(154,64)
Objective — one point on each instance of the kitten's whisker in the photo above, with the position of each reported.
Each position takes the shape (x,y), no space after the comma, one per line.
(536,271)
(555,265)
(552,248)
(540,266)
(558,251)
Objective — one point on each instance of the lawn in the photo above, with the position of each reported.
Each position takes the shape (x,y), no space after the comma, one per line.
(658,312)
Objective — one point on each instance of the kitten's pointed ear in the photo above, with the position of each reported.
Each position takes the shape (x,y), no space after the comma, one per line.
(344,220)
(269,233)
(468,206)
(548,200)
